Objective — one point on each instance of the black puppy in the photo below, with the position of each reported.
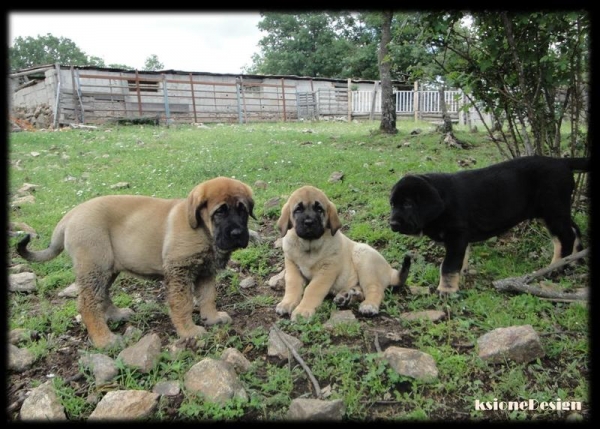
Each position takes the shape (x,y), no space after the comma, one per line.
(470,206)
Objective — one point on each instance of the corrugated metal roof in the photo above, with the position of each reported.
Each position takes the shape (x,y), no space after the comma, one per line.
(181,72)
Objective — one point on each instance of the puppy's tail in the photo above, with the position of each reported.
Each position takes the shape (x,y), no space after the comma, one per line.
(579,164)
(56,246)
(398,280)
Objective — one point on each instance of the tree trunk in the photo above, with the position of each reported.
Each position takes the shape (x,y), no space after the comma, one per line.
(446,126)
(388,105)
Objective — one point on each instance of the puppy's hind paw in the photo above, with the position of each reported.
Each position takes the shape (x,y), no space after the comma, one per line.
(305,313)
(220,317)
(115,314)
(284,308)
(344,298)
(446,291)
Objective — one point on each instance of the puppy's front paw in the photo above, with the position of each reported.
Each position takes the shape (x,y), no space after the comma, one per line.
(219,317)
(116,314)
(195,332)
(367,309)
(448,284)
(303,312)
(113,341)
(284,307)
(445,290)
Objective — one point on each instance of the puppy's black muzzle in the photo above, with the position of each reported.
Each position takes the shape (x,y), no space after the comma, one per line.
(232,238)
(309,227)
(404,226)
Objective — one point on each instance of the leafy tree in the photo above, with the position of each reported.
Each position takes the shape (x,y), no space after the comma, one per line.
(120,66)
(324,44)
(388,106)
(29,52)
(152,63)
(96,61)
(529,70)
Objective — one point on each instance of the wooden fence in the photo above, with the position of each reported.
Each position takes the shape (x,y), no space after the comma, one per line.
(98,98)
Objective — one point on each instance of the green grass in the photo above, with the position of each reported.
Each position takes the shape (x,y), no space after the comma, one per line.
(76,165)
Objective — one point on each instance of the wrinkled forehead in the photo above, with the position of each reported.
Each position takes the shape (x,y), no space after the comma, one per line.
(405,188)
(308,197)
(228,192)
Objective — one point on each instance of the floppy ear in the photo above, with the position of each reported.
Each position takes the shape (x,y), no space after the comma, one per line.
(196,201)
(251,208)
(333,220)
(284,222)
(431,204)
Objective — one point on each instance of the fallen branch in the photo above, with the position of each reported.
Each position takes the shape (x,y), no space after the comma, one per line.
(520,284)
(376,341)
(291,348)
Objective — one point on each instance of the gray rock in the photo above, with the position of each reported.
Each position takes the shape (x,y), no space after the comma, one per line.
(336,176)
(248,282)
(411,363)
(42,404)
(315,409)
(278,348)
(419,290)
(277,282)
(19,201)
(273,202)
(216,380)
(144,354)
(261,184)
(120,185)
(71,291)
(167,388)
(19,359)
(339,318)
(433,315)
(103,367)
(20,335)
(22,282)
(236,359)
(125,405)
(518,343)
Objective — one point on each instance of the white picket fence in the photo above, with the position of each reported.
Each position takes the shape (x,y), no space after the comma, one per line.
(428,101)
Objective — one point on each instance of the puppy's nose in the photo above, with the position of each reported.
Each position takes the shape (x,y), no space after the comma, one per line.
(308,222)
(236,233)
(395,225)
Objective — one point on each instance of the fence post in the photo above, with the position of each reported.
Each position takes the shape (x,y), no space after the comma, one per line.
(82,110)
(239,103)
(416,100)
(193,98)
(283,98)
(373,99)
(58,91)
(349,100)
(243,99)
(139,96)
(166,98)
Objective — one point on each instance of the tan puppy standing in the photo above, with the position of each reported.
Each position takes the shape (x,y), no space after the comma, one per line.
(183,241)
(317,253)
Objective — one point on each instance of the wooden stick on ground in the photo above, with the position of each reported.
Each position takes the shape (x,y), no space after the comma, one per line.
(520,284)
(312,378)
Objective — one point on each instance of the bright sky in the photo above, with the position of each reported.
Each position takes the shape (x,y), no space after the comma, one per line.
(216,42)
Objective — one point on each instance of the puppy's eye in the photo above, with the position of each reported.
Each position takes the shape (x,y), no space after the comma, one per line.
(222,210)
(319,208)
(299,208)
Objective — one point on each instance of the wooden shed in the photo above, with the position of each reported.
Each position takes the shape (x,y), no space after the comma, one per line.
(94,95)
